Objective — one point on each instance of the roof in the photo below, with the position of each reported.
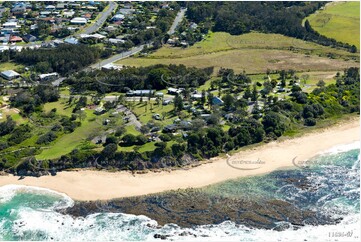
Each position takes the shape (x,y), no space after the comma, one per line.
(10,73)
(41,76)
(79,20)
(15,38)
(217,101)
(71,40)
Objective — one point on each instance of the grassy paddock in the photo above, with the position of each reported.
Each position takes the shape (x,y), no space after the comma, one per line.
(339,20)
(253,52)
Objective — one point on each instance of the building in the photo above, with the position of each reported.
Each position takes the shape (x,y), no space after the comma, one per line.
(116,41)
(140,93)
(71,40)
(29,38)
(9,75)
(14,39)
(111,66)
(174,91)
(118,17)
(48,77)
(79,21)
(11,25)
(217,101)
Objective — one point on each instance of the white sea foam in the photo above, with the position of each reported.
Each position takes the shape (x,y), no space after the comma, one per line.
(341,148)
(7,192)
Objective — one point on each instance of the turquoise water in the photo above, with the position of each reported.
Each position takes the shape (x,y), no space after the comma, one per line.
(28,213)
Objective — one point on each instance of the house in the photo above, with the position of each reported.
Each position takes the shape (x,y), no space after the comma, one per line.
(9,74)
(116,41)
(174,91)
(118,17)
(14,39)
(109,28)
(18,9)
(68,14)
(99,111)
(171,128)
(167,101)
(45,13)
(29,38)
(196,96)
(71,40)
(140,93)
(48,77)
(60,6)
(87,16)
(111,66)
(80,21)
(217,101)
(50,8)
(193,25)
(11,25)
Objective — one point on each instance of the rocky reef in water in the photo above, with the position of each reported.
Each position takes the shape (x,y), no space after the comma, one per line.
(192,207)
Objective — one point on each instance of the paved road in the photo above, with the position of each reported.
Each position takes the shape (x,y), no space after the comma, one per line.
(104,15)
(177,20)
(117,57)
(137,49)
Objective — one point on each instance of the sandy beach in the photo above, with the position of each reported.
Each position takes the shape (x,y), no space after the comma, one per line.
(102,185)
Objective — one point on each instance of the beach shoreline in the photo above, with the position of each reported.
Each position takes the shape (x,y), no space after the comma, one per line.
(91,185)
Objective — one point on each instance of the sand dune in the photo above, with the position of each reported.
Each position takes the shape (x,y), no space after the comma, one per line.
(101,185)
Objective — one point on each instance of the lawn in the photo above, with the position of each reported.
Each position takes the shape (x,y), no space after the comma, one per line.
(9,66)
(61,107)
(253,52)
(145,114)
(68,142)
(339,20)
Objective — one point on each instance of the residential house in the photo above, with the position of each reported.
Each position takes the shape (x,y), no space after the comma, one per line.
(71,40)
(15,38)
(118,17)
(79,21)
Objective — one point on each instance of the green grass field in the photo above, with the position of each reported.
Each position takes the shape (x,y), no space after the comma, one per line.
(253,52)
(339,20)
(9,66)
(68,142)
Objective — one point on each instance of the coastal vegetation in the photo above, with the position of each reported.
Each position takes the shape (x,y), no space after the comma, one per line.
(252,112)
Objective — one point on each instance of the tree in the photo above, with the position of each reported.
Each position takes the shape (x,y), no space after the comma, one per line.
(254,96)
(129,139)
(321,83)
(7,126)
(229,102)
(247,93)
(178,103)
(305,78)
(109,150)
(272,123)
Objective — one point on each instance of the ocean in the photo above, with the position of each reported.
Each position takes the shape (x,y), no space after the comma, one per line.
(332,191)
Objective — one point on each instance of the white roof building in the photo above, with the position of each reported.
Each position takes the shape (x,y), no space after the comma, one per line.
(12,25)
(9,74)
(78,21)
